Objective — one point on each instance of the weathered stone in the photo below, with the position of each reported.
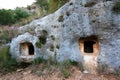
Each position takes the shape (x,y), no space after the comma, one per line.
(77,21)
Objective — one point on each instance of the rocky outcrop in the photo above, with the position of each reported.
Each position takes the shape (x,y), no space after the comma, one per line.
(60,35)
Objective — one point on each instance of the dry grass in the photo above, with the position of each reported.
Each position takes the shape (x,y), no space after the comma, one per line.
(6,34)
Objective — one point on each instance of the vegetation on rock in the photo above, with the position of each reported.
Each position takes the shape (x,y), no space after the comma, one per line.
(49,6)
(116,7)
(38,44)
(8,17)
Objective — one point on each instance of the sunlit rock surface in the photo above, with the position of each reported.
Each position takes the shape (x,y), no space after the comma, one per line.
(75,20)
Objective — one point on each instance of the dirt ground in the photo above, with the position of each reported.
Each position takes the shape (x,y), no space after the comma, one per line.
(28,74)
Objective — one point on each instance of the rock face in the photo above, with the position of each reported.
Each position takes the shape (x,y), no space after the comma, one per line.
(82,30)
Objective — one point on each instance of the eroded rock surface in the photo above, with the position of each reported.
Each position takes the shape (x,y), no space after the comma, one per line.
(63,29)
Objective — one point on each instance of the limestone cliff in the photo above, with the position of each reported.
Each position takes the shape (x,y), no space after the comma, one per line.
(81,30)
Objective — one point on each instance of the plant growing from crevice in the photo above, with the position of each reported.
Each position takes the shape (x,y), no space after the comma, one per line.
(42,39)
(65,66)
(68,13)
(60,18)
(116,7)
(57,46)
(38,44)
(51,48)
(44,32)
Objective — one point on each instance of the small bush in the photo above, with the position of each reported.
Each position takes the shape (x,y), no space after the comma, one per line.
(42,39)
(78,64)
(38,44)
(38,61)
(4,53)
(7,64)
(23,65)
(20,13)
(8,17)
(65,66)
(116,7)
(90,4)
(44,32)
(57,46)
(66,73)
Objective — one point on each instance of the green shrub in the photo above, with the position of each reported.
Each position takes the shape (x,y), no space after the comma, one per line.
(65,72)
(65,66)
(43,4)
(57,46)
(38,61)
(4,56)
(75,63)
(38,44)
(44,32)
(116,7)
(42,39)
(7,64)
(78,64)
(7,17)
(20,13)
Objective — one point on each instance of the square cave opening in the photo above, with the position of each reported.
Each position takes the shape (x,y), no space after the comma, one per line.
(89,45)
(26,49)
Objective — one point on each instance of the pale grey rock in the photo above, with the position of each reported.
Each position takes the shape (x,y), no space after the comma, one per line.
(70,23)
